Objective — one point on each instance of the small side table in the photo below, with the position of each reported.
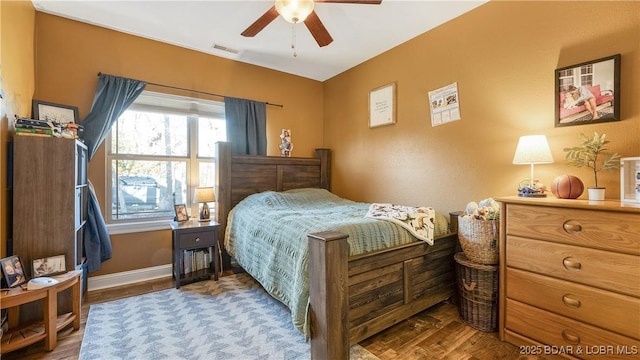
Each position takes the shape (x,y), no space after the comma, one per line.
(47,329)
(189,238)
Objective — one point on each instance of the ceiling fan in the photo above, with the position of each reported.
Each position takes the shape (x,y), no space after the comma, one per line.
(295,11)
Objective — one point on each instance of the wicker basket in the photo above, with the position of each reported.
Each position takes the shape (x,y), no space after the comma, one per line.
(479,239)
(478,291)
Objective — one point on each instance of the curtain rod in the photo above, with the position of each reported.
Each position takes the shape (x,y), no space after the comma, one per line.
(196,91)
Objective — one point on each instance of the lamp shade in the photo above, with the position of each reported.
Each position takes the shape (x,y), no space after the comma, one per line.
(294,11)
(204,195)
(533,149)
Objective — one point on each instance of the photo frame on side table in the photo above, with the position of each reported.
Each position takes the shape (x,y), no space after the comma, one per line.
(49,266)
(181,212)
(588,92)
(382,105)
(13,271)
(47,111)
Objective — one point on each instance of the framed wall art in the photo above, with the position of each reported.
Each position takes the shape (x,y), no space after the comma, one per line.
(382,105)
(47,111)
(49,266)
(13,271)
(181,212)
(588,92)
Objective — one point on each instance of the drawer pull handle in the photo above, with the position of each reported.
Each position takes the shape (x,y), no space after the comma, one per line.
(197,239)
(571,337)
(571,264)
(571,228)
(571,301)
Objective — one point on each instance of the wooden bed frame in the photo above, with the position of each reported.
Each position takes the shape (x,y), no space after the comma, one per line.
(352,298)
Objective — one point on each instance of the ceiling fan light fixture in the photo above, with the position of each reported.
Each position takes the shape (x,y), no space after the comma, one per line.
(294,11)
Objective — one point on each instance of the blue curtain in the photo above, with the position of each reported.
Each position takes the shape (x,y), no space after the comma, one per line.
(113,96)
(246,126)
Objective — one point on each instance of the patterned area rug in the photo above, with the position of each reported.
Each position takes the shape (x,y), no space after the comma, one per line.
(233,318)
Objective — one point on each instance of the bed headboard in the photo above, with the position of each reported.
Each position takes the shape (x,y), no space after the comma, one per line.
(238,176)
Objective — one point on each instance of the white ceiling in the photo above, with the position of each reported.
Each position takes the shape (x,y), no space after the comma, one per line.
(360,31)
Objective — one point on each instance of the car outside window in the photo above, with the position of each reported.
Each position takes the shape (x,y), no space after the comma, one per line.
(158,152)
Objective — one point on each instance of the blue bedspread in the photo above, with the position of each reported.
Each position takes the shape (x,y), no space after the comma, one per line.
(267,235)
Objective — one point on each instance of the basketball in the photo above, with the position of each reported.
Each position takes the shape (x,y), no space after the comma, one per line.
(567,187)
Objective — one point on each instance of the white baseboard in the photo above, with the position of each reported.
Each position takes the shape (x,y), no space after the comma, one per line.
(128,277)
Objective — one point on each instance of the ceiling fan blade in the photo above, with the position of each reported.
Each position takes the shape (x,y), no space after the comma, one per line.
(261,23)
(364,2)
(318,30)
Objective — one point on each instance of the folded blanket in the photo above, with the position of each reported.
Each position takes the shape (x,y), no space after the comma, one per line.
(420,221)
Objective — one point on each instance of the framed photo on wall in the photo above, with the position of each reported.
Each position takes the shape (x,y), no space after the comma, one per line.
(49,266)
(47,111)
(382,105)
(588,92)
(13,271)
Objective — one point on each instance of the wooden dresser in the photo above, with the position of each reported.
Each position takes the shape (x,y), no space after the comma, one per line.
(570,277)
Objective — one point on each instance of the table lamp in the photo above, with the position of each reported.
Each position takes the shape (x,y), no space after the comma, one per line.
(204,195)
(533,149)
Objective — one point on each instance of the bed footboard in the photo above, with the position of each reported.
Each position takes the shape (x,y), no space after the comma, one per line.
(353,298)
(328,254)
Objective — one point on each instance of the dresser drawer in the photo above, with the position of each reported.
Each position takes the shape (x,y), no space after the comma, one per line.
(607,230)
(602,269)
(196,239)
(608,310)
(555,330)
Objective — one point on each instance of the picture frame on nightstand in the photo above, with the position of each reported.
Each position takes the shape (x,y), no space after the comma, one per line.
(630,180)
(181,212)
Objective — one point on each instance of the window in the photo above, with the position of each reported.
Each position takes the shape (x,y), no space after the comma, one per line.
(579,76)
(159,150)
(586,75)
(566,79)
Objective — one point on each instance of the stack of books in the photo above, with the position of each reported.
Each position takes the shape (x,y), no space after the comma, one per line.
(30,127)
(195,260)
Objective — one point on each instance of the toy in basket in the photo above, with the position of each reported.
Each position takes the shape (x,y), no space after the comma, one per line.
(478,231)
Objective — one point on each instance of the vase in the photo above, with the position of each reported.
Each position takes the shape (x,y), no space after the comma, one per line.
(596,194)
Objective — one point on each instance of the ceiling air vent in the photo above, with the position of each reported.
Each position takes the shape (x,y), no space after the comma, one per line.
(224,48)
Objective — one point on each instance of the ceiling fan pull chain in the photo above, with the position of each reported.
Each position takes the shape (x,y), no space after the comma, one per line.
(293,39)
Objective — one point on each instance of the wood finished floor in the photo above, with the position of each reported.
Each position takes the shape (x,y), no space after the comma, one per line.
(437,333)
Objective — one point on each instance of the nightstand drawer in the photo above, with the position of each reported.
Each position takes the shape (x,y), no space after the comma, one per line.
(555,330)
(609,310)
(607,230)
(602,269)
(196,239)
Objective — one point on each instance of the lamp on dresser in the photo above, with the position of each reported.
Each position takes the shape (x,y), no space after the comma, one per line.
(204,195)
(532,149)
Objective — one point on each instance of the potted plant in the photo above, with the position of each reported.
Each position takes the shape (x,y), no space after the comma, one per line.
(591,154)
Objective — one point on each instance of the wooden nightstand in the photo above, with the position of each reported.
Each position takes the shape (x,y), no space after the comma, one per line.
(196,252)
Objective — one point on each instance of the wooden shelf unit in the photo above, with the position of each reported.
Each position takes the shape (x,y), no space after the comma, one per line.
(46,329)
(50,192)
(50,199)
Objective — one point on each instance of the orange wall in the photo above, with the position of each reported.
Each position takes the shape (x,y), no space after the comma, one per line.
(16,69)
(503,56)
(69,55)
